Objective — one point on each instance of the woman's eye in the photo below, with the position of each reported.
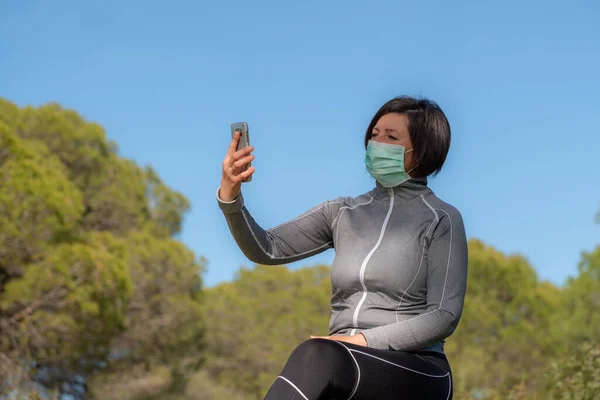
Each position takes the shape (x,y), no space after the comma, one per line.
(373,134)
(392,138)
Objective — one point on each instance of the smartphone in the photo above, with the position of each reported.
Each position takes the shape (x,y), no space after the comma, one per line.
(242,127)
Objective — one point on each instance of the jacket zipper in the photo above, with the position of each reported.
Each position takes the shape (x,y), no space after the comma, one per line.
(363,267)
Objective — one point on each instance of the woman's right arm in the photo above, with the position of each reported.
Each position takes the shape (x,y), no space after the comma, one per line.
(302,237)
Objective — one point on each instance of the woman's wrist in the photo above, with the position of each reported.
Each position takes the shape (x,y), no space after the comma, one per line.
(226,196)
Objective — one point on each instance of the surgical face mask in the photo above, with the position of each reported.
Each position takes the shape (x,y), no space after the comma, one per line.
(385,163)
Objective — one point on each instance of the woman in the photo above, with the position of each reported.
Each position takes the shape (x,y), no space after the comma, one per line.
(399,274)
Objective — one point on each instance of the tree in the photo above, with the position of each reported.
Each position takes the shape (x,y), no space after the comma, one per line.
(258,319)
(502,338)
(582,300)
(92,282)
(576,376)
(38,204)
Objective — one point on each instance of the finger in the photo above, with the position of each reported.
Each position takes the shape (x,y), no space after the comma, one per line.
(236,177)
(243,161)
(231,158)
(247,173)
(231,150)
(234,143)
(242,153)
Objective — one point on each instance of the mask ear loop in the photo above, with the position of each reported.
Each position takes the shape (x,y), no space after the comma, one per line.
(413,168)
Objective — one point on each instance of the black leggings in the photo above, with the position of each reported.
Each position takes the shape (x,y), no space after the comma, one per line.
(322,369)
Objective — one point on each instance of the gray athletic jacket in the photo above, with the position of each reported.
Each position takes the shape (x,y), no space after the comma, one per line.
(400,270)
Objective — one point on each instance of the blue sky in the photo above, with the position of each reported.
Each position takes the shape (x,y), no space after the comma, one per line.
(518,81)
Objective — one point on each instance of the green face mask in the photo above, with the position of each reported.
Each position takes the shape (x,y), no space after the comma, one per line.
(385,163)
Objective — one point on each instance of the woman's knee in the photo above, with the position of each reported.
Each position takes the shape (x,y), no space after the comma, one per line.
(313,351)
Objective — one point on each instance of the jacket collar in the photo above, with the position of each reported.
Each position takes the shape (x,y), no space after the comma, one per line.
(406,191)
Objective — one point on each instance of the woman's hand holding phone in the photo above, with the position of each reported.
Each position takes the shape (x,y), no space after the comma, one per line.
(234,169)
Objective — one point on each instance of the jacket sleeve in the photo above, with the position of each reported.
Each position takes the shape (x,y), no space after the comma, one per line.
(302,237)
(447,259)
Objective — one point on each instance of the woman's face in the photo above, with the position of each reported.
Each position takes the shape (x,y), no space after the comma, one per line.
(393,129)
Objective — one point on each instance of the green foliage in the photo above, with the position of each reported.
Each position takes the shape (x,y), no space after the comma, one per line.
(257,320)
(576,377)
(505,324)
(204,387)
(166,206)
(582,300)
(165,315)
(9,113)
(81,146)
(75,295)
(37,202)
(116,199)
(91,282)
(134,383)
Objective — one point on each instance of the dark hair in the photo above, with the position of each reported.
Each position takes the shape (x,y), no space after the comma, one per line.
(428,128)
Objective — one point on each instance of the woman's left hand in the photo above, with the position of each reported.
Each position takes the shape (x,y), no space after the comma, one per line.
(355,339)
